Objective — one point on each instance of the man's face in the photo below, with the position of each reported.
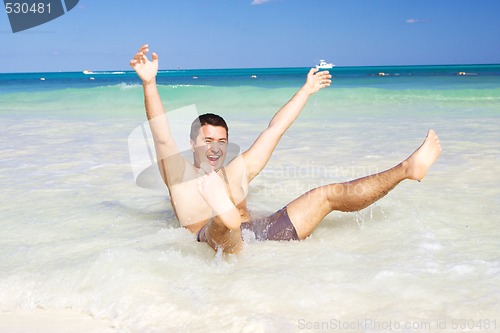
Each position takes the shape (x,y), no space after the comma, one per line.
(210,146)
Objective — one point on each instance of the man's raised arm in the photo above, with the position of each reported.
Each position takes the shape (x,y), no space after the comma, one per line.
(257,156)
(165,147)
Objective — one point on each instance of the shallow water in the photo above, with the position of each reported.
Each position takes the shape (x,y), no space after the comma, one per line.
(79,234)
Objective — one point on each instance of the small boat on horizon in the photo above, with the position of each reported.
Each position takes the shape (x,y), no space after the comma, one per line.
(324,65)
(88,71)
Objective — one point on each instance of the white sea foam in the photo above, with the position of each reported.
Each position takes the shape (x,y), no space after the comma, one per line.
(126,86)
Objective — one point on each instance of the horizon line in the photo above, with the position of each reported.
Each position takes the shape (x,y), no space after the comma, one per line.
(252,68)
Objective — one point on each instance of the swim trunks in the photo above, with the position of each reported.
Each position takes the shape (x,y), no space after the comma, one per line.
(275,227)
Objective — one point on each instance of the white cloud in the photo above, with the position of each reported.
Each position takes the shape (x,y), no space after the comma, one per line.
(414,20)
(259,2)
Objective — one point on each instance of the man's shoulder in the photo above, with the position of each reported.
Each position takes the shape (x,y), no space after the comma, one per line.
(181,175)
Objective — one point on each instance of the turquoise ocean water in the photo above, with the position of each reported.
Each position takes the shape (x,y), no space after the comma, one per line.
(79,235)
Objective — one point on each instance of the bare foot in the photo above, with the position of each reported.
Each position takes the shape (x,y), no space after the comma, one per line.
(425,156)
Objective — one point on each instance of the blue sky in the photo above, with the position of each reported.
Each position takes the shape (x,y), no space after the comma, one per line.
(104,34)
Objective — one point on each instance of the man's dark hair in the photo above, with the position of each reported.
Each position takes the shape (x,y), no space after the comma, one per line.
(207,119)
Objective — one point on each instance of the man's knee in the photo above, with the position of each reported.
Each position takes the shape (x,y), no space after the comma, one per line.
(326,196)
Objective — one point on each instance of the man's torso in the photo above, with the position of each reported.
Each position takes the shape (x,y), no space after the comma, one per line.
(192,210)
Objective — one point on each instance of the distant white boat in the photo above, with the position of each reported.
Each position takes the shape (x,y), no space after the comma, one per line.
(324,65)
(88,71)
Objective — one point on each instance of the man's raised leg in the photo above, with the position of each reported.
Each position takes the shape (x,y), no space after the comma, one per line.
(308,210)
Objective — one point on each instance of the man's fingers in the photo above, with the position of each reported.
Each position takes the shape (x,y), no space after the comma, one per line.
(324,78)
(324,74)
(140,56)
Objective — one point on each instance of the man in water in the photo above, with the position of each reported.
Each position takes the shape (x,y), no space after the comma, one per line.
(209,198)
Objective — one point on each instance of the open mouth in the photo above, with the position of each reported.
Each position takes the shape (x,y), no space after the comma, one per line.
(213,159)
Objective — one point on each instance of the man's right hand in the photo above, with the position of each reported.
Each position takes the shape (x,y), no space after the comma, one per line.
(145,68)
